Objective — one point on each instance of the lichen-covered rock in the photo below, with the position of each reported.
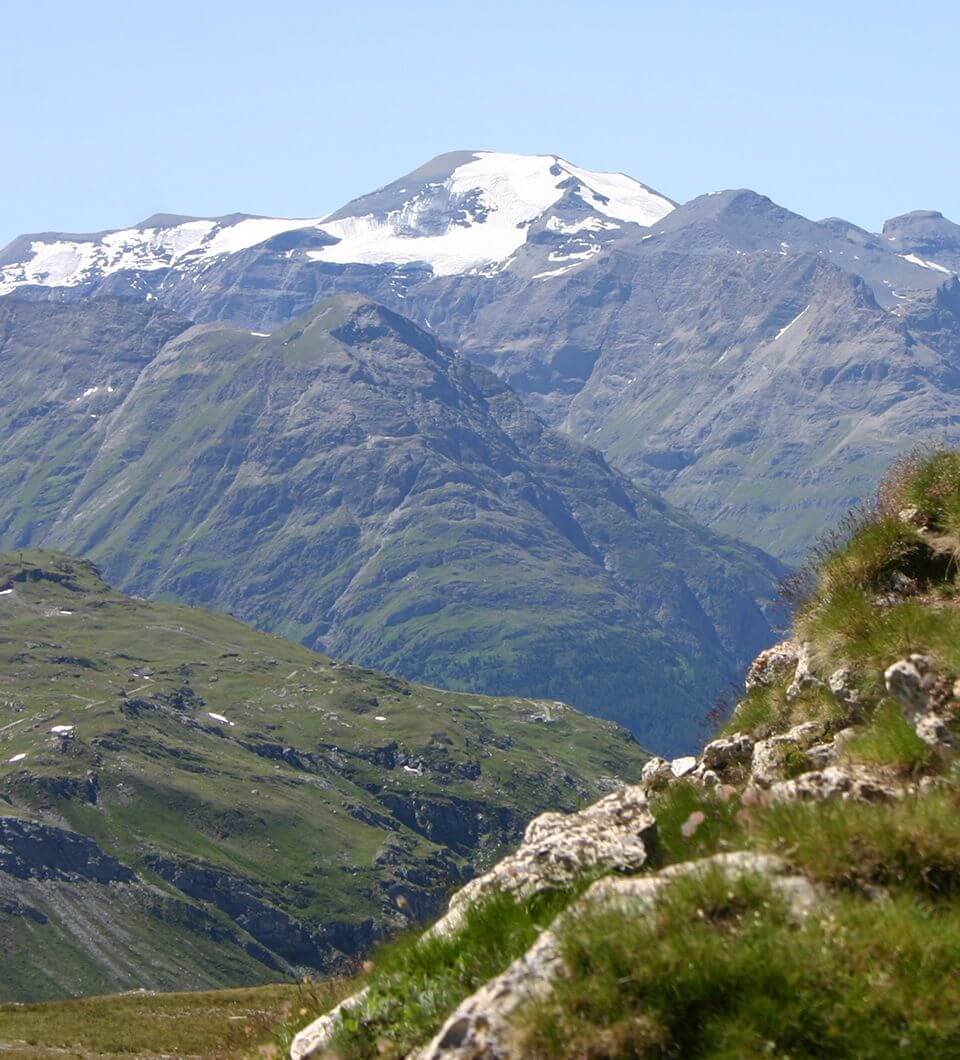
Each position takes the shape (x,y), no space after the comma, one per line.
(841,685)
(912,516)
(773,664)
(480,1027)
(314,1040)
(910,682)
(614,834)
(804,678)
(770,756)
(935,729)
(681,767)
(848,783)
(723,754)
(656,773)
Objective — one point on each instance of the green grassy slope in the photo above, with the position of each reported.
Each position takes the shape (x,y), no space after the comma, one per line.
(278,810)
(350,483)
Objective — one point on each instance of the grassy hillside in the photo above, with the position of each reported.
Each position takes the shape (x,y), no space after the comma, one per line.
(350,483)
(186,802)
(802,898)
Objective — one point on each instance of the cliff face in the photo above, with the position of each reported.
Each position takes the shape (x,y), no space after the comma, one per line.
(792,889)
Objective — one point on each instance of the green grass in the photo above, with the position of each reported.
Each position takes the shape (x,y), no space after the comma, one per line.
(332,836)
(933,486)
(416,983)
(911,846)
(720,970)
(889,740)
(212,1024)
(719,830)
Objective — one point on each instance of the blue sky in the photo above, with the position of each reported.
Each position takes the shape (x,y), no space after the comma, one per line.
(113,111)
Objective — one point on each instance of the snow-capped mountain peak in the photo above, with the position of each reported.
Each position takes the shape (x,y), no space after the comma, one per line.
(461,212)
(469,210)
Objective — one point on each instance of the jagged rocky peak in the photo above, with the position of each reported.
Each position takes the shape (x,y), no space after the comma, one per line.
(460,212)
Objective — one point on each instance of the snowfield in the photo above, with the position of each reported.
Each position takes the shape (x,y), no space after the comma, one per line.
(488,204)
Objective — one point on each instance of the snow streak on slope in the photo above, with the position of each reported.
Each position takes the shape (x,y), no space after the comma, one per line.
(475,215)
(66,262)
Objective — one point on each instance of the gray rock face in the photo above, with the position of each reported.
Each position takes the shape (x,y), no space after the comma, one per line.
(804,677)
(770,756)
(614,834)
(910,681)
(772,664)
(926,234)
(849,783)
(350,482)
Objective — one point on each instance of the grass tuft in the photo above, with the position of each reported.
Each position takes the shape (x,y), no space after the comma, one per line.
(889,740)
(415,983)
(719,970)
(911,846)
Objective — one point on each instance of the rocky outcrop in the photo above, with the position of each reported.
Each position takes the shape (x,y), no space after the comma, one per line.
(613,835)
(30,850)
(773,664)
(930,702)
(479,1029)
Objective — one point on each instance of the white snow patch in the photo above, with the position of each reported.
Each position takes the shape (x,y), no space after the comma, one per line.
(61,729)
(64,611)
(379,717)
(787,327)
(18,758)
(5,592)
(410,769)
(219,717)
(924,263)
(261,334)
(588,224)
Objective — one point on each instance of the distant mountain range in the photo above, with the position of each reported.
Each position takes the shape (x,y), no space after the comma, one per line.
(758,368)
(349,482)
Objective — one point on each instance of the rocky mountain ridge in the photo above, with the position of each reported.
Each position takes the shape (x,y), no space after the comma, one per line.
(759,368)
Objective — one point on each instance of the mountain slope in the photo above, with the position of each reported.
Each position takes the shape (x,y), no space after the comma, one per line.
(670,337)
(348,482)
(186,802)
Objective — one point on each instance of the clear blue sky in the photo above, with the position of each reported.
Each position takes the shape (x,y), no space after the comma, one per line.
(112,111)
